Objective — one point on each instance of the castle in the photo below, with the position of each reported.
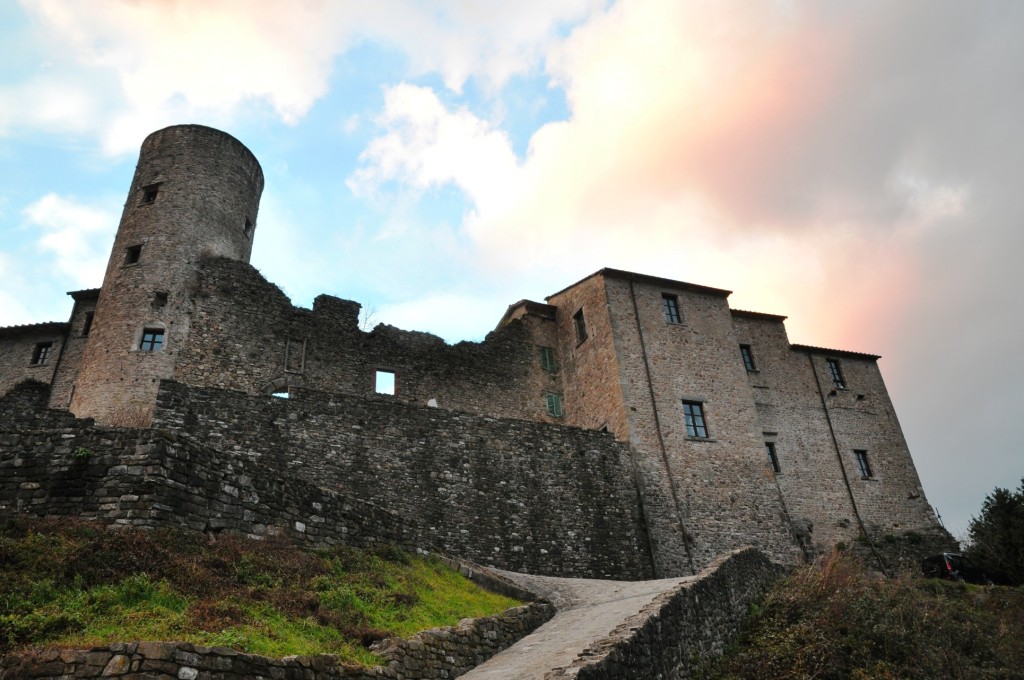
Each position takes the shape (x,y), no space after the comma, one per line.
(628,427)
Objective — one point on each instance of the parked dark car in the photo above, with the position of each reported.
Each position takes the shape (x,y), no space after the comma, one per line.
(955,568)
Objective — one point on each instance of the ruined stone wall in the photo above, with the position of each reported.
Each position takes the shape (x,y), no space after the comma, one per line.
(79,327)
(811,480)
(245,335)
(722,488)
(17,348)
(516,494)
(437,653)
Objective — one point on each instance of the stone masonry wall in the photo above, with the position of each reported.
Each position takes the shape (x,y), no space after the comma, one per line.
(691,622)
(515,494)
(66,372)
(811,481)
(438,653)
(17,346)
(245,335)
(722,485)
(52,464)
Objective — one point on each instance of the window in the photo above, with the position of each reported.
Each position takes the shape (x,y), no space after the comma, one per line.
(694,414)
(247,229)
(670,305)
(87,326)
(547,359)
(554,403)
(132,254)
(748,357)
(41,354)
(149,193)
(159,299)
(581,325)
(862,464)
(773,457)
(384,382)
(152,339)
(836,373)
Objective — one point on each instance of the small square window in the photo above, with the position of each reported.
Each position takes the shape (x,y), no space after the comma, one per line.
(670,306)
(693,411)
(554,404)
(748,358)
(152,339)
(862,464)
(773,457)
(159,299)
(547,359)
(149,193)
(87,326)
(836,373)
(581,326)
(132,254)
(384,382)
(41,354)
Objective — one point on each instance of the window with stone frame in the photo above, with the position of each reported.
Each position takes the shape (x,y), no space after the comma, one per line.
(748,358)
(863,464)
(670,307)
(836,373)
(693,413)
(41,353)
(152,340)
(581,325)
(773,457)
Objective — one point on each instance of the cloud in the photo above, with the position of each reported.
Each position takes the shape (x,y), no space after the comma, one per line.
(72,232)
(125,68)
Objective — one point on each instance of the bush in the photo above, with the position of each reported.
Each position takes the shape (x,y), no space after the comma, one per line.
(997,535)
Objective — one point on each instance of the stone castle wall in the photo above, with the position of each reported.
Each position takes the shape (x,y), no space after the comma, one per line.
(245,335)
(520,495)
(17,350)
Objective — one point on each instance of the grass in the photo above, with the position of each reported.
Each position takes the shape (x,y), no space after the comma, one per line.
(74,584)
(836,620)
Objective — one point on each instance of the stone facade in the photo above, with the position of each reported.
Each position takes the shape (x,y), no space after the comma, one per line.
(634,355)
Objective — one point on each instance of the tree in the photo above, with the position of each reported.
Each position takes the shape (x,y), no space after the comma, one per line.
(997,535)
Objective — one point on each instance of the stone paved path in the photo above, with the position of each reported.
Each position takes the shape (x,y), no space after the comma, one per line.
(588,611)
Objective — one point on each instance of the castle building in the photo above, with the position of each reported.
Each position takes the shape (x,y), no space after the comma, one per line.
(719,431)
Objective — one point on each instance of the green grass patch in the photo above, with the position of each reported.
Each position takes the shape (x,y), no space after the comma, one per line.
(74,584)
(836,620)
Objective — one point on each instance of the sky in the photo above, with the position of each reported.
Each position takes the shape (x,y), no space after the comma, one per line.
(854,166)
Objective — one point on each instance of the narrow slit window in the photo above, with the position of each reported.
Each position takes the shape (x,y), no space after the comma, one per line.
(384,382)
(693,413)
(247,229)
(581,326)
(41,353)
(554,404)
(547,359)
(87,326)
(152,339)
(862,464)
(132,254)
(748,358)
(670,306)
(773,457)
(836,373)
(281,393)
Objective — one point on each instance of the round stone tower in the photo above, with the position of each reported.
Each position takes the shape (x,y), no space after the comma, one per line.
(195,194)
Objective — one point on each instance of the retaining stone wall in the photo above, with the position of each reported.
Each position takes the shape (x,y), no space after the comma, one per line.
(439,653)
(693,621)
(516,494)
